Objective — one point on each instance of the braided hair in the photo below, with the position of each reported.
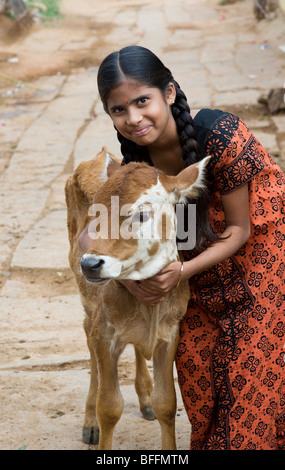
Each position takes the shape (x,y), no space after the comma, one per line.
(144,66)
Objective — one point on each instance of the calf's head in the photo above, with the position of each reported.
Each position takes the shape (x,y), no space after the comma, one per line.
(133,225)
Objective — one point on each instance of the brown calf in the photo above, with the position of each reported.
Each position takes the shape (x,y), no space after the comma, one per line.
(138,245)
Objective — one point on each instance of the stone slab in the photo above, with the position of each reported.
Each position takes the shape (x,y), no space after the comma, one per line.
(268,141)
(45,246)
(239,97)
(37,328)
(279,122)
(20,208)
(47,144)
(97,134)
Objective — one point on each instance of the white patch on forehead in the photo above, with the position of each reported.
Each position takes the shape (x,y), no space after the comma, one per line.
(155,195)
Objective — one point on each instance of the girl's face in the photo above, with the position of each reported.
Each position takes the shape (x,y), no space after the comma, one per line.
(142,114)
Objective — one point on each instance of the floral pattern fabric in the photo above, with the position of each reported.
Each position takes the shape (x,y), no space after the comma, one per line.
(230,358)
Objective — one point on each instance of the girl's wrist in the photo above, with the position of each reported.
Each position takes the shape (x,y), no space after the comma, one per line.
(180,273)
(187,271)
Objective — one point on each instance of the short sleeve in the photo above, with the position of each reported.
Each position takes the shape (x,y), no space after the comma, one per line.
(237,156)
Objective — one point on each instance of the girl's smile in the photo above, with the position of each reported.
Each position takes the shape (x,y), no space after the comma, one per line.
(142,131)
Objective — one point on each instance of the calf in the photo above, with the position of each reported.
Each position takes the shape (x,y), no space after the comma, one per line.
(138,247)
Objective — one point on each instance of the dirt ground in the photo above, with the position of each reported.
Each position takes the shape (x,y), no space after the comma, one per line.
(41,422)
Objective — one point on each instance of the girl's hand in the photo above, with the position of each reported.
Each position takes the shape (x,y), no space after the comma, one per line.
(142,295)
(150,291)
(164,281)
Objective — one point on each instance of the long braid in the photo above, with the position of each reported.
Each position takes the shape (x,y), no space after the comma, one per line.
(190,155)
(185,127)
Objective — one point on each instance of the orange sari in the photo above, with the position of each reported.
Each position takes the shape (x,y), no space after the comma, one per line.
(230,359)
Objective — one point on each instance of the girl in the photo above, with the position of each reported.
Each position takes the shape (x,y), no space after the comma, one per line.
(230,358)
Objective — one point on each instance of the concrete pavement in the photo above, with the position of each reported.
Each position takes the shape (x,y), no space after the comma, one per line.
(220,58)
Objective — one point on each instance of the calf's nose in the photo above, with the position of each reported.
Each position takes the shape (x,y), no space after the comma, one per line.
(91,266)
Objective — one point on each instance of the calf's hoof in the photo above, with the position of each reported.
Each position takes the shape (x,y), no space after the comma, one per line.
(148,413)
(90,435)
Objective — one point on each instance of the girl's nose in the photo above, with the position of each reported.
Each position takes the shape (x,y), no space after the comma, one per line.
(133,118)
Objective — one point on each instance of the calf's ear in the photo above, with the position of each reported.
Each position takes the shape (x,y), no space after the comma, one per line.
(112,167)
(188,182)
(110,164)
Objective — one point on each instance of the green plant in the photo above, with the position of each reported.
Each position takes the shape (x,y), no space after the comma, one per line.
(48,8)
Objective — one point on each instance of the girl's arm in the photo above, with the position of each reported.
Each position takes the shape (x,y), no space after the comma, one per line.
(237,232)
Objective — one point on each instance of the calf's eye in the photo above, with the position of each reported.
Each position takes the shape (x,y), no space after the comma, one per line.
(141,217)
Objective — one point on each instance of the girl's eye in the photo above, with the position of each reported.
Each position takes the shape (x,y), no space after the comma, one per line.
(142,100)
(118,110)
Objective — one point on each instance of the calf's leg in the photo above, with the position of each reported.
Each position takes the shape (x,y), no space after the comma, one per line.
(90,432)
(143,385)
(164,395)
(110,402)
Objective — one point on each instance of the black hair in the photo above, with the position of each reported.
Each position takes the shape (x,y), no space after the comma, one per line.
(141,64)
